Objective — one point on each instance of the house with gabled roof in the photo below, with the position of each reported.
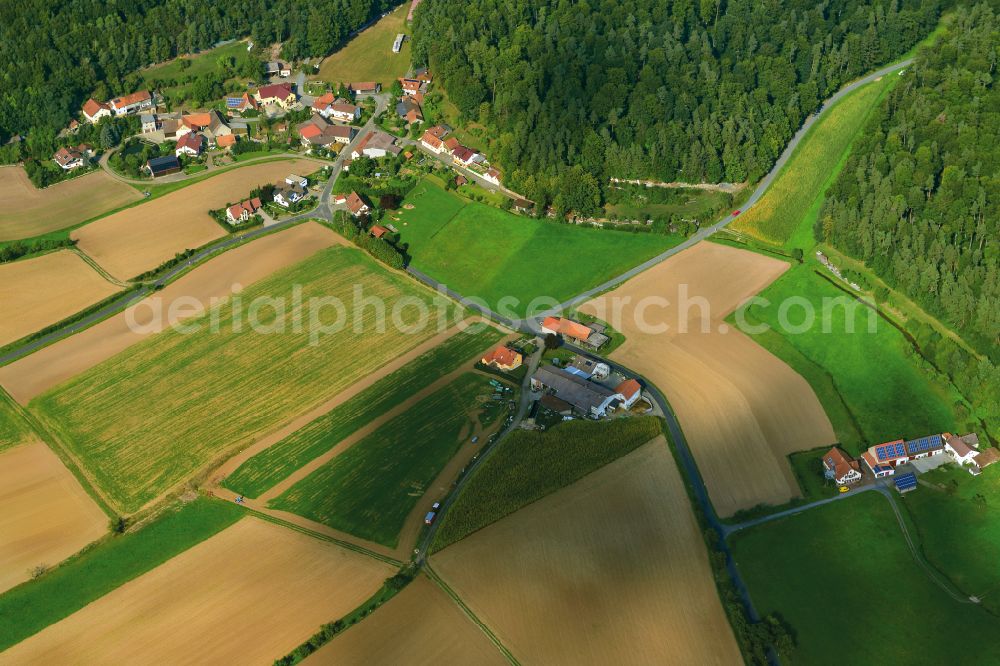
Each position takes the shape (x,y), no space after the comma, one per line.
(365,88)
(356,204)
(190,144)
(277,93)
(94,110)
(502,358)
(242,211)
(127,105)
(883,459)
(244,102)
(841,468)
(69,158)
(318,131)
(376,144)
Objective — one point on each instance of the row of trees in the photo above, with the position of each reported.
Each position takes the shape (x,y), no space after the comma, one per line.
(670,90)
(55,55)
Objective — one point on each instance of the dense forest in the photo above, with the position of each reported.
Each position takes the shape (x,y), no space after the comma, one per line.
(669,89)
(919,199)
(56,54)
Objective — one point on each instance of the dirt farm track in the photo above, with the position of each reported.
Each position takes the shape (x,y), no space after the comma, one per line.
(609,570)
(141,238)
(248,595)
(45,516)
(26,211)
(45,368)
(742,409)
(41,291)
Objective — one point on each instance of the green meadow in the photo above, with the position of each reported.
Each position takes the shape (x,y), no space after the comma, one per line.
(845,580)
(267,468)
(485,252)
(369,489)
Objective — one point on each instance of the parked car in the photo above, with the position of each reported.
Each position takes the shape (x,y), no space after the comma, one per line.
(429,518)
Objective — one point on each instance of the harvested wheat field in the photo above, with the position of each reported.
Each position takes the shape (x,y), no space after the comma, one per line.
(245,265)
(420,626)
(139,239)
(26,211)
(742,409)
(39,292)
(248,595)
(45,516)
(609,570)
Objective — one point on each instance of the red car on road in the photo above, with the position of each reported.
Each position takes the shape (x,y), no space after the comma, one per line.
(735,213)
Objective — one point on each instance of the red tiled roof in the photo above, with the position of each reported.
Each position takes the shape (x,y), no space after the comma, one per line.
(129,100)
(191,140)
(226,140)
(431,140)
(278,90)
(840,463)
(451,143)
(567,327)
(310,131)
(364,85)
(628,388)
(324,100)
(502,356)
(355,203)
(378,231)
(92,106)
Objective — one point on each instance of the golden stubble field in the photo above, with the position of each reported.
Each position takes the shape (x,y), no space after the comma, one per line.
(245,265)
(421,626)
(141,238)
(742,409)
(26,211)
(45,515)
(41,291)
(248,595)
(609,570)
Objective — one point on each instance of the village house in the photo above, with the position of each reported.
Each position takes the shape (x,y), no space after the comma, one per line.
(245,102)
(149,123)
(411,86)
(432,143)
(339,198)
(410,111)
(69,158)
(317,131)
(226,142)
(492,176)
(502,358)
(130,104)
(451,144)
(466,156)
(94,110)
(163,166)
(356,205)
(365,88)
(588,368)
(190,144)
(288,193)
(278,93)
(841,468)
(378,231)
(630,390)
(330,106)
(376,144)
(242,211)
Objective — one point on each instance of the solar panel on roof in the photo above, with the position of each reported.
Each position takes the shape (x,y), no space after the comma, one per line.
(900,450)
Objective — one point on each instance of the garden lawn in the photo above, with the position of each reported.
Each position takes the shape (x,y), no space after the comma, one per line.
(527,466)
(485,252)
(786,213)
(884,392)
(369,489)
(368,56)
(145,420)
(959,527)
(267,468)
(14,429)
(843,572)
(34,605)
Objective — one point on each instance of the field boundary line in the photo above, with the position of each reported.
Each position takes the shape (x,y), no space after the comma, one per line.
(47,437)
(433,575)
(324,537)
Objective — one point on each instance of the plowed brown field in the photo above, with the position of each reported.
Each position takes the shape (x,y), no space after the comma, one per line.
(26,211)
(139,239)
(45,516)
(39,292)
(609,570)
(420,627)
(248,595)
(742,409)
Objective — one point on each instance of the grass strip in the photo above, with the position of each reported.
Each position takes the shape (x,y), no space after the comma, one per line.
(108,564)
